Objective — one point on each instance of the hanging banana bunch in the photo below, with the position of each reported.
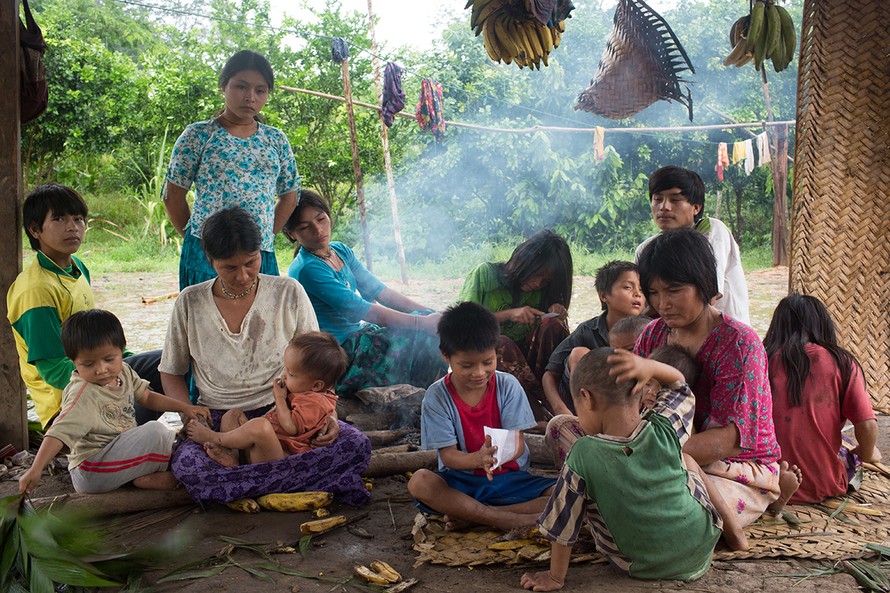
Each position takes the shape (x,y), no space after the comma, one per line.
(767,33)
(523,32)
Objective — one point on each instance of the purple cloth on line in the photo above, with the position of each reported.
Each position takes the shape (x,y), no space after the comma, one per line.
(393,95)
(336,468)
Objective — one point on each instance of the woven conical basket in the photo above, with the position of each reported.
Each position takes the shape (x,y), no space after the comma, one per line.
(641,64)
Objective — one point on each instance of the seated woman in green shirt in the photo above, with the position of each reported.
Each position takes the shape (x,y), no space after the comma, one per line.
(529,295)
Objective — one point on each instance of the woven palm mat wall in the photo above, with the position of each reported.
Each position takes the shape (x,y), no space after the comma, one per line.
(816,532)
(840,241)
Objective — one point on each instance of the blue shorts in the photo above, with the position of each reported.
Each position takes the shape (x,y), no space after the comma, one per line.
(512,487)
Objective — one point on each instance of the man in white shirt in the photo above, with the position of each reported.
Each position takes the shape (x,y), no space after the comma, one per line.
(677,196)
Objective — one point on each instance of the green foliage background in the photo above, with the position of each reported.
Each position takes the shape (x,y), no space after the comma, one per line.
(125,81)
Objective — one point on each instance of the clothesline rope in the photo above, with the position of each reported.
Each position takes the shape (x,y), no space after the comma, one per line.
(534,129)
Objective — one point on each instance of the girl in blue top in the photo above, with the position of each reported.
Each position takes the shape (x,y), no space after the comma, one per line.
(232,160)
(388,338)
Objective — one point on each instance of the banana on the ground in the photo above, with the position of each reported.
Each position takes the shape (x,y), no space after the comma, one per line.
(370,576)
(244,505)
(386,571)
(321,525)
(295,501)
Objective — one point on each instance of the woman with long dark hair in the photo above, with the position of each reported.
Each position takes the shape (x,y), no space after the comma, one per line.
(389,338)
(817,386)
(735,440)
(529,295)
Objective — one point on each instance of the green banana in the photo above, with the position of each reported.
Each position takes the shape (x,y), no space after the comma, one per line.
(789,34)
(773,29)
(778,57)
(756,26)
(760,45)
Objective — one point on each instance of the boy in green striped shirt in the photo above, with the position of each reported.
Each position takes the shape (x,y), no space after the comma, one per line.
(649,506)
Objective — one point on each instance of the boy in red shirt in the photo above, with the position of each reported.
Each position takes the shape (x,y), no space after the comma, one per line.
(470,487)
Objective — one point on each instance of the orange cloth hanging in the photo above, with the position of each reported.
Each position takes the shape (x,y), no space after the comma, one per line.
(722,159)
(599,149)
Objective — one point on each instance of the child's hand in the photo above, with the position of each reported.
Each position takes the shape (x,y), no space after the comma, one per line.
(195,412)
(486,456)
(29,479)
(279,387)
(540,581)
(627,366)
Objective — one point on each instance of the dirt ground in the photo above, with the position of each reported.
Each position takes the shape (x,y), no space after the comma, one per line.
(390,514)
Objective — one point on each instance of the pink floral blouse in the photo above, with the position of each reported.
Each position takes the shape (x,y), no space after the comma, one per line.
(732,387)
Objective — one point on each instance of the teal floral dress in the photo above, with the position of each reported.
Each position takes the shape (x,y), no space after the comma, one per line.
(226,171)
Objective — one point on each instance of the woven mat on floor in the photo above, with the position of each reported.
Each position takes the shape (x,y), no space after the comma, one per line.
(816,532)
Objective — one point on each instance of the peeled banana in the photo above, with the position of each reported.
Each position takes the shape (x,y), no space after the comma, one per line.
(370,576)
(386,571)
(322,525)
(244,505)
(295,501)
(768,33)
(380,573)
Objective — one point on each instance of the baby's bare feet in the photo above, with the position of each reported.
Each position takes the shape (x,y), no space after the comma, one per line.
(222,455)
(198,431)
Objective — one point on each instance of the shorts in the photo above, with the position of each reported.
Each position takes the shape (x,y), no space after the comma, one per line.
(512,487)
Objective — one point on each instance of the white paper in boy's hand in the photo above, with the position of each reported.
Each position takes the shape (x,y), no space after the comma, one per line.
(507,442)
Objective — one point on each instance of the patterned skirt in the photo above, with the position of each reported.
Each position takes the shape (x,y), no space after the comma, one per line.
(336,468)
(527,361)
(381,356)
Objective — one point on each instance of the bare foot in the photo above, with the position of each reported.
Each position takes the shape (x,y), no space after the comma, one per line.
(454,524)
(157,481)
(222,455)
(199,431)
(734,536)
(789,482)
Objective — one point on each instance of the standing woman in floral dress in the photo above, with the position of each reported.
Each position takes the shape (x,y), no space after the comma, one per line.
(232,160)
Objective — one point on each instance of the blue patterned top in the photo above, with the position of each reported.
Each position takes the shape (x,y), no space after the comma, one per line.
(231,171)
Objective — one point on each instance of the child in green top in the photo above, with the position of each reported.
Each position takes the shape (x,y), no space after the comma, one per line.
(649,505)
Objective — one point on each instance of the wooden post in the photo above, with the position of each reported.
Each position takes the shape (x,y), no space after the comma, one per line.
(356,163)
(780,197)
(387,160)
(13,414)
(780,202)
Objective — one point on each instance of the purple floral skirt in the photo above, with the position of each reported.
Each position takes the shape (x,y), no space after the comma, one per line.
(336,468)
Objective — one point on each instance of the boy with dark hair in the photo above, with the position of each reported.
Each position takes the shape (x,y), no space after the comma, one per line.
(471,485)
(625,332)
(677,198)
(618,286)
(48,291)
(51,289)
(650,507)
(98,423)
